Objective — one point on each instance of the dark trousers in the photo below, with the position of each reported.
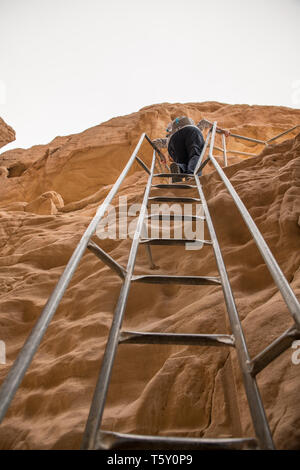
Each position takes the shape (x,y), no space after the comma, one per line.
(185,148)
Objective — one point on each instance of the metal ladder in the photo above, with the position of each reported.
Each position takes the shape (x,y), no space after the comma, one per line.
(94,437)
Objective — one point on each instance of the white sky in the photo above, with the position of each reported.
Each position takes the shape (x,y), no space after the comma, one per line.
(66,65)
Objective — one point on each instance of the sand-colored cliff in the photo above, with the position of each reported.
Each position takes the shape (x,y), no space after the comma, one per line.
(48,195)
(7,134)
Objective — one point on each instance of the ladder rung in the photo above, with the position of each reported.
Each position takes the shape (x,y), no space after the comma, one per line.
(169,175)
(175,217)
(173,199)
(174,186)
(107,440)
(187,280)
(139,337)
(172,241)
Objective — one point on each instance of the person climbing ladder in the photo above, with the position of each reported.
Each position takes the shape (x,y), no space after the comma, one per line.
(184,141)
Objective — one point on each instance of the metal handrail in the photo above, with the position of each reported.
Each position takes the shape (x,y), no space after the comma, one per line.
(257,411)
(25,356)
(249,139)
(16,373)
(281,134)
(258,141)
(238,152)
(251,367)
(99,397)
(278,276)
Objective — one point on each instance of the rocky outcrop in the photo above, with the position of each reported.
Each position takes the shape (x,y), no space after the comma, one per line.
(7,134)
(77,166)
(166,390)
(47,203)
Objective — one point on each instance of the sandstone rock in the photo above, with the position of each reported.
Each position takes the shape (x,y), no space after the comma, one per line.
(15,206)
(48,203)
(169,390)
(77,166)
(7,134)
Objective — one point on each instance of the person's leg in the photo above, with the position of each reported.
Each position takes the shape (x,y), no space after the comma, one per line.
(194,143)
(177,150)
(182,167)
(192,165)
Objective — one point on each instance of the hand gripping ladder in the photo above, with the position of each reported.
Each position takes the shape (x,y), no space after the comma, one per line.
(94,437)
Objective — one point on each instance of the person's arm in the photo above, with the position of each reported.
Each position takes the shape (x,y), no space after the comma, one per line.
(204,124)
(223,131)
(160,143)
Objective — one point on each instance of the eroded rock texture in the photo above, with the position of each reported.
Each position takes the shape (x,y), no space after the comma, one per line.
(7,134)
(48,195)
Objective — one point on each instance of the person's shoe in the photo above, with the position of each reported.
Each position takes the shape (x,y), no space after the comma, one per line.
(174,168)
(189,178)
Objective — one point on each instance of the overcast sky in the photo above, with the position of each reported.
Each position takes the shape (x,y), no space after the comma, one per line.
(66,65)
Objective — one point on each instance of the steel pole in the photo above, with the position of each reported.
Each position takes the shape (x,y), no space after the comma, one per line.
(22,362)
(99,398)
(259,419)
(278,276)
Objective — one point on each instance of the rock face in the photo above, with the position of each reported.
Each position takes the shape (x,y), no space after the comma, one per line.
(48,195)
(7,134)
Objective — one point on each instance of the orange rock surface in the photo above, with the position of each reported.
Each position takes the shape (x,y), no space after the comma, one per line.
(7,134)
(48,195)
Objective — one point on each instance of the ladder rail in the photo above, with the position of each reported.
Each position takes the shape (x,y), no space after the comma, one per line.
(100,394)
(17,371)
(249,367)
(250,139)
(270,261)
(199,163)
(258,415)
(224,149)
(281,134)
(259,141)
